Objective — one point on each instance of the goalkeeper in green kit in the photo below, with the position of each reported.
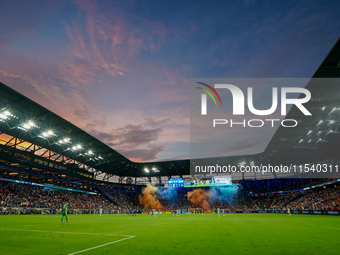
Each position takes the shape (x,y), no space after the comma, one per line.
(64,213)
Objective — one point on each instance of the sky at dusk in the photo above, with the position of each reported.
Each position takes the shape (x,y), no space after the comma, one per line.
(121,70)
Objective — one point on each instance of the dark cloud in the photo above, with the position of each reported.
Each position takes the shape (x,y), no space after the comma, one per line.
(145,154)
(154,123)
(137,134)
(130,134)
(107,138)
(134,141)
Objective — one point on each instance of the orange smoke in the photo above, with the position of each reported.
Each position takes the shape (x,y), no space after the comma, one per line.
(149,199)
(199,198)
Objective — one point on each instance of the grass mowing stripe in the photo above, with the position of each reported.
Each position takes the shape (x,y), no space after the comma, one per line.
(101,245)
(56,232)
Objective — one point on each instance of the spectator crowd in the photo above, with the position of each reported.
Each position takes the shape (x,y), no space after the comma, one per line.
(16,198)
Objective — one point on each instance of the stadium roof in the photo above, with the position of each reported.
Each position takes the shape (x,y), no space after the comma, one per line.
(315,138)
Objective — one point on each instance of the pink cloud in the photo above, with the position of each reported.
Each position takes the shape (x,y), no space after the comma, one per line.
(72,104)
(105,43)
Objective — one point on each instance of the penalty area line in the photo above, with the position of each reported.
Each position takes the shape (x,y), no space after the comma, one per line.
(105,244)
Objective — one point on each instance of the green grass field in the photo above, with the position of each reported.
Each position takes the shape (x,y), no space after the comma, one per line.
(167,234)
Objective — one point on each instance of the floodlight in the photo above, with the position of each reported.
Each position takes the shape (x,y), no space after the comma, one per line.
(28,125)
(77,147)
(319,123)
(3,116)
(154,169)
(146,170)
(333,110)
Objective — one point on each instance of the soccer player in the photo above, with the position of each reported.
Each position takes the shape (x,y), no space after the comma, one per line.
(289,212)
(218,212)
(223,212)
(100,212)
(64,213)
(154,212)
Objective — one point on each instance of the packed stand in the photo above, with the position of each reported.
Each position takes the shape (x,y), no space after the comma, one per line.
(34,199)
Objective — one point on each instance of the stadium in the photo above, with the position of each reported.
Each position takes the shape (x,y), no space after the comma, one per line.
(51,168)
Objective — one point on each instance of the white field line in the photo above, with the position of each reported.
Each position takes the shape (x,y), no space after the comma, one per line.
(101,245)
(56,232)
(75,233)
(322,226)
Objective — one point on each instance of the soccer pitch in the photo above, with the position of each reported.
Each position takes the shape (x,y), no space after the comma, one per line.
(168,234)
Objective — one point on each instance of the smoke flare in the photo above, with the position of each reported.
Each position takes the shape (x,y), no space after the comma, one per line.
(168,194)
(149,199)
(199,198)
(224,194)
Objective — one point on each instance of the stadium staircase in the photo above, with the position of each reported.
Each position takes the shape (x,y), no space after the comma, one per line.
(109,197)
(125,202)
(121,204)
(293,199)
(258,208)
